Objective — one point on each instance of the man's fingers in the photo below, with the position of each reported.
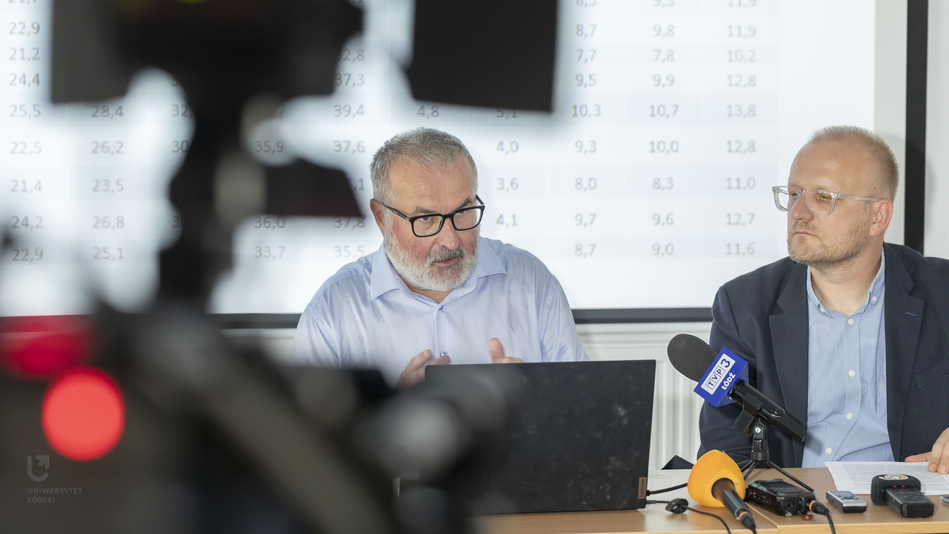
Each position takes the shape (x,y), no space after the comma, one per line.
(917,458)
(507,359)
(418,361)
(441,360)
(495,350)
(414,371)
(939,456)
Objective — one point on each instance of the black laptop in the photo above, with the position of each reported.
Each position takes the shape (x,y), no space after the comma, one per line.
(578,439)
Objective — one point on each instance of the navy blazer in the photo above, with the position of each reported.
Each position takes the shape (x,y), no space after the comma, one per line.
(762,317)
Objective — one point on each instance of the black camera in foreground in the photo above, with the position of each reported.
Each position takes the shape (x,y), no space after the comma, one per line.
(780,497)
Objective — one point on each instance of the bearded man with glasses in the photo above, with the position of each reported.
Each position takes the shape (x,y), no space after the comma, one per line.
(434,287)
(849,334)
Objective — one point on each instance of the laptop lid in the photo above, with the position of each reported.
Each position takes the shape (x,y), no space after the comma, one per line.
(578,439)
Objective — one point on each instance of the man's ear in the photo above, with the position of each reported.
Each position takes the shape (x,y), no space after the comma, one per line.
(883,213)
(378,213)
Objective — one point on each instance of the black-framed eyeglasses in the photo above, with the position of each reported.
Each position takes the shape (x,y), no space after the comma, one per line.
(431,223)
(819,202)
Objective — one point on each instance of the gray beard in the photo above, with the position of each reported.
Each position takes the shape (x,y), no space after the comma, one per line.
(423,274)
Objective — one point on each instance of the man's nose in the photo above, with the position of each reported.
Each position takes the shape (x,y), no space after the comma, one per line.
(799,210)
(448,237)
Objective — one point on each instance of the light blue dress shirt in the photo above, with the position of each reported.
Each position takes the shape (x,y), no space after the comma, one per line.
(365,316)
(846,381)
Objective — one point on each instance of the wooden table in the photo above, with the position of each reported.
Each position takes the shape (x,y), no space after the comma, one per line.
(654,518)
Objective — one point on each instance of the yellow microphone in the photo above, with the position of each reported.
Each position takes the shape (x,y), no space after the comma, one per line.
(716,481)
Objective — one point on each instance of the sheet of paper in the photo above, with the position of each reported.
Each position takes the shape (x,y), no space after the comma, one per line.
(856,476)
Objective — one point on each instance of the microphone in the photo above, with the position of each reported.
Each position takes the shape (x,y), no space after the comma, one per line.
(719,378)
(716,481)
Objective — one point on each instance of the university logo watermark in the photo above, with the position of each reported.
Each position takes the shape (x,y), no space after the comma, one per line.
(39,474)
(43,461)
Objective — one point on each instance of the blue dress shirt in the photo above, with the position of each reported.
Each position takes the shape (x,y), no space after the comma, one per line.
(846,388)
(365,316)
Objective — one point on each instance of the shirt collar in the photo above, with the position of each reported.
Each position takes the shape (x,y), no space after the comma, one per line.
(874,294)
(385,279)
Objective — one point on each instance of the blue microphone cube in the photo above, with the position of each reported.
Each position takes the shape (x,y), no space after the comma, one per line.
(720,377)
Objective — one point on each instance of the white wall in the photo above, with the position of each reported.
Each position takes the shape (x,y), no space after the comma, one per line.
(936,241)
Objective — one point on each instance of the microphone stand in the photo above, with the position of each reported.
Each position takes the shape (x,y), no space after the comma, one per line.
(760,456)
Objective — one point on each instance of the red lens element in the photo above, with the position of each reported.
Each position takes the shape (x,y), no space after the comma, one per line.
(83,414)
(41,347)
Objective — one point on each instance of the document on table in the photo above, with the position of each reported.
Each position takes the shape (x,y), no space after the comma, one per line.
(856,476)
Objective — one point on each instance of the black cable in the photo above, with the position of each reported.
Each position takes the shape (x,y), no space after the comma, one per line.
(680,486)
(728,530)
(818,508)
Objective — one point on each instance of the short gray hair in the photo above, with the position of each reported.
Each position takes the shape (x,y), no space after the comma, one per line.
(879,150)
(424,146)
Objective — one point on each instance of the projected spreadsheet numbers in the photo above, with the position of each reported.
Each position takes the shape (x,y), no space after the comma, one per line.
(664,32)
(586,55)
(584,111)
(584,250)
(351,223)
(108,148)
(585,147)
(740,184)
(270,223)
(26,186)
(663,219)
(663,81)
(348,251)
(346,146)
(106,112)
(740,147)
(348,111)
(740,111)
(348,55)
(25,111)
(662,250)
(108,186)
(265,147)
(742,81)
(24,29)
(663,111)
(25,54)
(584,81)
(108,222)
(350,79)
(108,254)
(585,184)
(741,56)
(180,146)
(26,223)
(506,221)
(664,147)
(739,219)
(663,184)
(26,148)
(508,147)
(585,220)
(428,112)
(740,249)
(505,185)
(181,111)
(26,254)
(268,252)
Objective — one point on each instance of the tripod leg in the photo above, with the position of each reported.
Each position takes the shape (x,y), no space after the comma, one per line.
(772,465)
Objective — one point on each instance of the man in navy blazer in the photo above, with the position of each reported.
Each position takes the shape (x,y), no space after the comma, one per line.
(850,334)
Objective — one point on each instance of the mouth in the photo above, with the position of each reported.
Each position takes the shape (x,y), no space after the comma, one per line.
(448,263)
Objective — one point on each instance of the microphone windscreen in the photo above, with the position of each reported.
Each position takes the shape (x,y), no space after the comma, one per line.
(709,469)
(690,355)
